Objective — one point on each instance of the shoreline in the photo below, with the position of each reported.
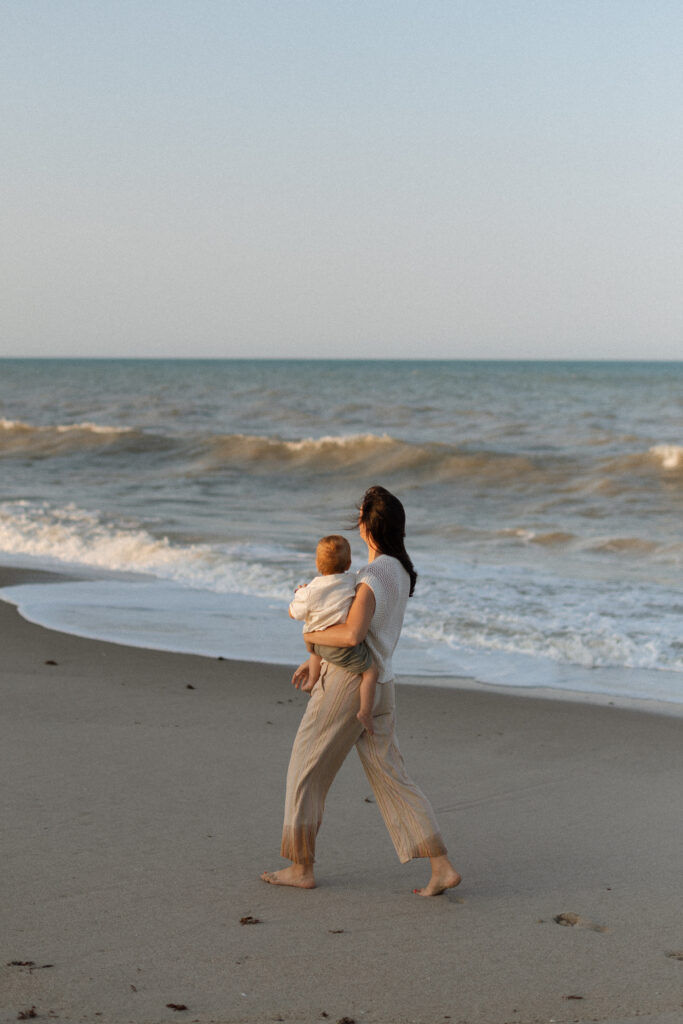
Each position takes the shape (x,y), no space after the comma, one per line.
(144,795)
(14,575)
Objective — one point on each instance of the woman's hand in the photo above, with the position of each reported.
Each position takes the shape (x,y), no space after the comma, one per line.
(300,676)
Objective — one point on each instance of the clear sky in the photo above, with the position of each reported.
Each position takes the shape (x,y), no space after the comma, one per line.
(461,179)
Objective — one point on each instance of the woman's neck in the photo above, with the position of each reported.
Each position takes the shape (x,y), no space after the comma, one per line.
(366,536)
(373,553)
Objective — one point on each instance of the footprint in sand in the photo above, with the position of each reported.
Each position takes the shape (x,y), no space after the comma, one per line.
(676,954)
(570,920)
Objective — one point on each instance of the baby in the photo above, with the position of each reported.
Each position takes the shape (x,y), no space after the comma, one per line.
(325,601)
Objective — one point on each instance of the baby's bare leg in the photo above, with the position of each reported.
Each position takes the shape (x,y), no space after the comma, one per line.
(314,663)
(368,684)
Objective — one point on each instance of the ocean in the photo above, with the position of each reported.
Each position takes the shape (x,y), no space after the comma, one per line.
(186,497)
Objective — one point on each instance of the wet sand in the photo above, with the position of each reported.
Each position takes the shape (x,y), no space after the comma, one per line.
(142,795)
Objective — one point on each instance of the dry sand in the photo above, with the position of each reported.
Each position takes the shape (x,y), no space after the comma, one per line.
(137,813)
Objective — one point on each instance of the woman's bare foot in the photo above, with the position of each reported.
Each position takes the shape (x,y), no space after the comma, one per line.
(365,720)
(299,875)
(444,876)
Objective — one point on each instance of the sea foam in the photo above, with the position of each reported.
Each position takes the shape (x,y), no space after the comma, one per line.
(73,537)
(670,455)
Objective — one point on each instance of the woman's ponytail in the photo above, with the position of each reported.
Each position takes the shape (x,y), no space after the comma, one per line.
(384,518)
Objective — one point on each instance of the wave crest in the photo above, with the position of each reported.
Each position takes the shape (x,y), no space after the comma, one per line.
(666,457)
(194,454)
(670,456)
(253,448)
(360,454)
(369,453)
(19,437)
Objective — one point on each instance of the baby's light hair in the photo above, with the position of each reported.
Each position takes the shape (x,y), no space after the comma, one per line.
(332,555)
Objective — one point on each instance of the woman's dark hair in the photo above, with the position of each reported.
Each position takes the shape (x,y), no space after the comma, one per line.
(384,518)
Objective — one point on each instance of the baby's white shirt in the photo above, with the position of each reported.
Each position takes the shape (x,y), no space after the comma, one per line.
(325,601)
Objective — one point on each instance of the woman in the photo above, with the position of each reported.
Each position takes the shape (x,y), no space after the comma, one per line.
(330,727)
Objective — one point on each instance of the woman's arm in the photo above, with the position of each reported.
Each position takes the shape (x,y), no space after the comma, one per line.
(351,632)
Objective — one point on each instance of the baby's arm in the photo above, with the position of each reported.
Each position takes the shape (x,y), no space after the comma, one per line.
(298,608)
(308,673)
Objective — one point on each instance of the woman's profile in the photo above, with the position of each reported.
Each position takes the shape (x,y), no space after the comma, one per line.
(330,726)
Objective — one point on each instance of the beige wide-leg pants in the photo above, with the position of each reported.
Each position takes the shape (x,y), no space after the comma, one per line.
(328,730)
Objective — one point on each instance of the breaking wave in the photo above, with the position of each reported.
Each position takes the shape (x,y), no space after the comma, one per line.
(71,536)
(662,458)
(352,454)
(670,456)
(29,440)
(365,454)
(197,454)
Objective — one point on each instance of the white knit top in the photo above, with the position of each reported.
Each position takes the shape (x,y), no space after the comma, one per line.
(390,583)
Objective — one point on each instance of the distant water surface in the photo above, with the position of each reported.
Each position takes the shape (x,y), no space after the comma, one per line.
(543,502)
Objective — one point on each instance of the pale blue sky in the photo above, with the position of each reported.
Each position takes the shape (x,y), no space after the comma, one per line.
(301,178)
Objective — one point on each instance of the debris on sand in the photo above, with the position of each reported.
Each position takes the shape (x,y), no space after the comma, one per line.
(570,920)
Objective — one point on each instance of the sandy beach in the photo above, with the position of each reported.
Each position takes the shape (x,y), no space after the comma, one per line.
(142,795)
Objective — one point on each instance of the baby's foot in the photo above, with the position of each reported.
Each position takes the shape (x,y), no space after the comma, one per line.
(365,720)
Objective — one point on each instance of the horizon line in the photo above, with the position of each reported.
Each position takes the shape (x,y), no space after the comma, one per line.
(340,359)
